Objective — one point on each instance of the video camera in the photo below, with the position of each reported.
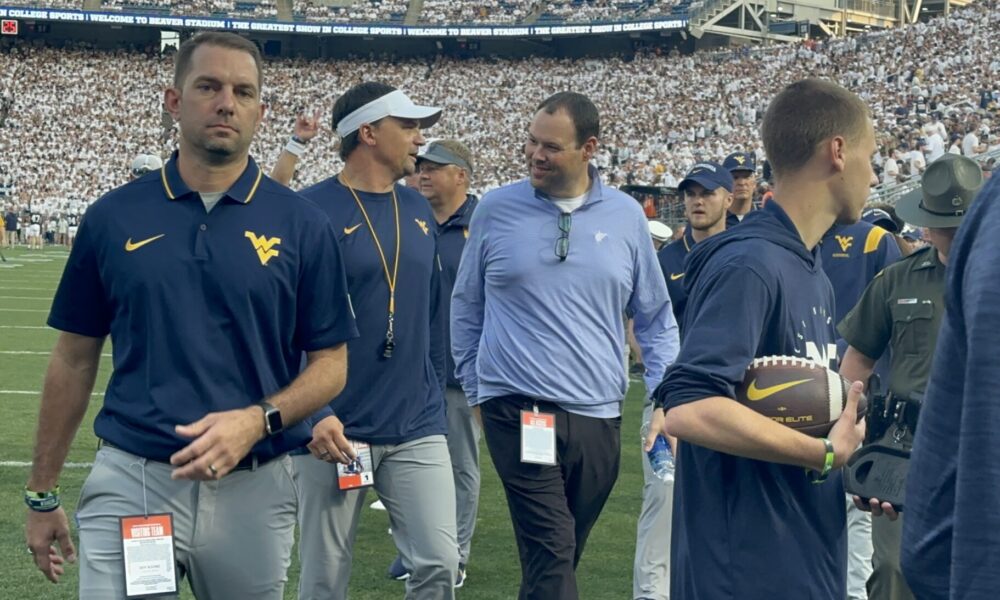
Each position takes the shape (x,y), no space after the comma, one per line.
(879,468)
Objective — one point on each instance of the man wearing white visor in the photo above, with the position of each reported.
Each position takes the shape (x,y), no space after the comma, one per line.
(387,428)
(394,104)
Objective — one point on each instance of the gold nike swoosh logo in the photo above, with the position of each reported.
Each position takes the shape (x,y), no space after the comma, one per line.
(129,246)
(676,276)
(754,393)
(350,230)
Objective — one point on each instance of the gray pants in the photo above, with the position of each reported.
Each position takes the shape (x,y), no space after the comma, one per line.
(233,537)
(887,582)
(651,571)
(415,482)
(859,551)
(463,446)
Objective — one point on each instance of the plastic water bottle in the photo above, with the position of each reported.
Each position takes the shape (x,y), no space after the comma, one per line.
(660,457)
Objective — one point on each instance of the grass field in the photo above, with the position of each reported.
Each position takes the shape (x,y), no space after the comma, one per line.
(27,284)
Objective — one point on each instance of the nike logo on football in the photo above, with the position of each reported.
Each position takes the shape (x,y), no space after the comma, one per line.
(676,276)
(754,393)
(129,246)
(350,230)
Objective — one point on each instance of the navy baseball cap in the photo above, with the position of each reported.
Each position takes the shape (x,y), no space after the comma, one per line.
(877,216)
(709,175)
(740,161)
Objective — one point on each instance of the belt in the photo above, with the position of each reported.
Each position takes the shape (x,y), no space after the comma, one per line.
(250,462)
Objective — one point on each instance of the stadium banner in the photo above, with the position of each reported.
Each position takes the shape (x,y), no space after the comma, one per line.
(235,24)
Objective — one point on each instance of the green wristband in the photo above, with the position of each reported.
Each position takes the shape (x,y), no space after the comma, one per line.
(42,501)
(827,463)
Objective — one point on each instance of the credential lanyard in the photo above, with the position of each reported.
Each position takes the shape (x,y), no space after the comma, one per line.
(390,342)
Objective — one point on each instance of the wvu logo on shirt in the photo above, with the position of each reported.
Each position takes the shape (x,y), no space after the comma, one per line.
(845,241)
(423,226)
(264,246)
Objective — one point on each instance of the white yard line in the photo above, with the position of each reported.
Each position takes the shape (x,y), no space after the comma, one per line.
(37,353)
(37,310)
(26,327)
(23,463)
(32,393)
(25,298)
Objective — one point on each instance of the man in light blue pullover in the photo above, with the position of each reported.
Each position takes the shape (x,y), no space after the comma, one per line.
(553,265)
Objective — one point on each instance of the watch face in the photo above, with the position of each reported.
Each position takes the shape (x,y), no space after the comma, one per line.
(273,418)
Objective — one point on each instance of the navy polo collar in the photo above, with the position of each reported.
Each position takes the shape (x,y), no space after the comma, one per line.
(242,191)
(688,239)
(463,215)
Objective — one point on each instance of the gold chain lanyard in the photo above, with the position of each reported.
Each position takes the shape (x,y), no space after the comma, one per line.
(390,342)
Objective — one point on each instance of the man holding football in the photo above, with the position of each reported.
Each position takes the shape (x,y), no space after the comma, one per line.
(759,507)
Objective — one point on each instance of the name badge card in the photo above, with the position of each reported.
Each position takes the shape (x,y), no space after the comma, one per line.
(538,437)
(148,554)
(360,472)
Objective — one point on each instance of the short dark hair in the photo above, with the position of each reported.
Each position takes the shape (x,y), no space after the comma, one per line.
(352,100)
(581,111)
(222,39)
(803,115)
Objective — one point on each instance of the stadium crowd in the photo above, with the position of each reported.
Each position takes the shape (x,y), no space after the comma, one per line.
(437,12)
(383,11)
(930,87)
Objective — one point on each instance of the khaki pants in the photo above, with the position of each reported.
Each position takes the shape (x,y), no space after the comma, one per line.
(886,582)
(651,569)
(415,482)
(233,537)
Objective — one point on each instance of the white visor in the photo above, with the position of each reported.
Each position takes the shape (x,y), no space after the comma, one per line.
(394,104)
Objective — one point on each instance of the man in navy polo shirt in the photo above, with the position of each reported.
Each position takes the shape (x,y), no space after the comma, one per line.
(749,521)
(743,167)
(394,399)
(197,272)
(707,193)
(553,266)
(445,172)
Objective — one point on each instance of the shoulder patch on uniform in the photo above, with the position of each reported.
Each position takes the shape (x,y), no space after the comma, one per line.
(875,235)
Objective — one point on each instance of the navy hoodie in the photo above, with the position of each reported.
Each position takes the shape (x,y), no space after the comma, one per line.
(746,529)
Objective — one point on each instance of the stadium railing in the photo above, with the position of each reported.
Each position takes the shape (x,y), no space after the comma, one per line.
(889,193)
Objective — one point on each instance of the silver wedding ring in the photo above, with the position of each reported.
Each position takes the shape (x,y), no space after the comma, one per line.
(213,470)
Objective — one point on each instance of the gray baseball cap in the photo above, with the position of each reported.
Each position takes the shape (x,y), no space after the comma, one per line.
(440,154)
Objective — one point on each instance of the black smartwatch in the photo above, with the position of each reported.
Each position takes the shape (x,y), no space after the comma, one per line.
(272,418)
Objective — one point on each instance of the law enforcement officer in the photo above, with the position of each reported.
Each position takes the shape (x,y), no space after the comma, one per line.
(901,310)
(743,167)
(196,271)
(950,548)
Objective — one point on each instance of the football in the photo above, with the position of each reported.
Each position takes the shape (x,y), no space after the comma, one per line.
(796,392)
